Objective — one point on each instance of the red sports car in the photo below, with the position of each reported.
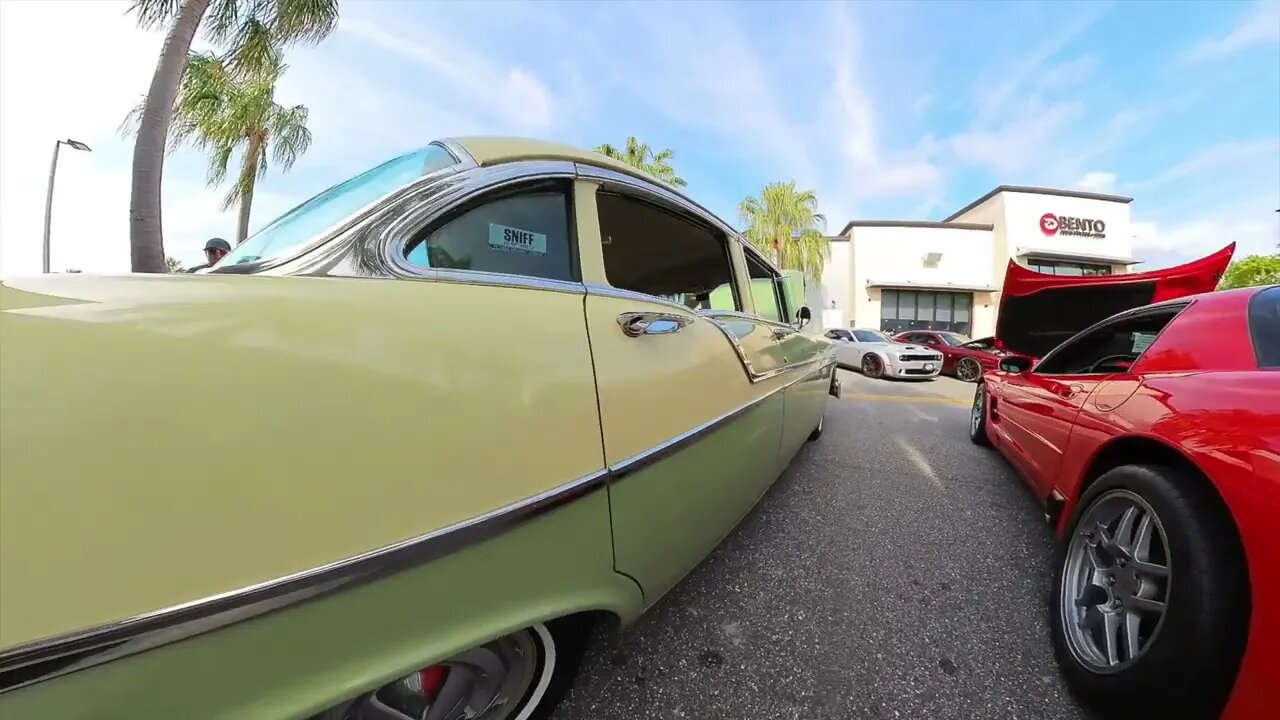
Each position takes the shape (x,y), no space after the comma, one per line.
(961,357)
(1153,440)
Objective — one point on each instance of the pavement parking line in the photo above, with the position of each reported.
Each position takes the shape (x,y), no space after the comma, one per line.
(904,398)
(920,461)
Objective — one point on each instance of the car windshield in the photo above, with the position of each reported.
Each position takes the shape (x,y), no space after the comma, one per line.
(953,338)
(306,222)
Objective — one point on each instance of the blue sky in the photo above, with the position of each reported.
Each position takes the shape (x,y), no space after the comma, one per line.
(887,110)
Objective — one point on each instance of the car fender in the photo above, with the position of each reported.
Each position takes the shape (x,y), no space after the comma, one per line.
(300,660)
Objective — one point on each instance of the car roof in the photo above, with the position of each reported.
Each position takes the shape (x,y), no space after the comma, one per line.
(496,150)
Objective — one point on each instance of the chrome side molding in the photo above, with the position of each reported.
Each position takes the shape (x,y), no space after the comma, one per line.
(49,658)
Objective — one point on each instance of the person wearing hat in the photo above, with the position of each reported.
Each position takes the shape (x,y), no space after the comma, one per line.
(214,250)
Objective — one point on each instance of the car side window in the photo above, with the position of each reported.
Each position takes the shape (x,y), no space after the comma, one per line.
(764,288)
(867,337)
(519,232)
(1109,348)
(838,335)
(651,250)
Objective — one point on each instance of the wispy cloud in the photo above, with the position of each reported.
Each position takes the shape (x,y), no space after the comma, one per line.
(1259,26)
(1097,181)
(515,95)
(1217,157)
(1008,81)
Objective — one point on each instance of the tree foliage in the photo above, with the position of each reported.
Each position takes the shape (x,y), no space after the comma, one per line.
(642,157)
(174,265)
(230,115)
(251,31)
(250,34)
(1251,271)
(784,223)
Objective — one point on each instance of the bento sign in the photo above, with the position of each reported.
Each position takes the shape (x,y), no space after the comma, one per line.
(1051,225)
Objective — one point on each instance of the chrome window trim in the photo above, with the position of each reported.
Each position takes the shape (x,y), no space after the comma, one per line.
(393,235)
(49,658)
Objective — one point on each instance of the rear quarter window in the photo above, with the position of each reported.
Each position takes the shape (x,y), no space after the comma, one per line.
(1264,326)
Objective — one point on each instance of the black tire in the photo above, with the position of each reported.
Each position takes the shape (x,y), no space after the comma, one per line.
(978,425)
(570,636)
(817,432)
(1189,666)
(872,367)
(968,370)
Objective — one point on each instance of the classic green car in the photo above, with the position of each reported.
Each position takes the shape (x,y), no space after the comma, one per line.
(396,453)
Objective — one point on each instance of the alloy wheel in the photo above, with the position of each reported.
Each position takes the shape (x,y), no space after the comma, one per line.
(501,680)
(870,365)
(968,370)
(1115,583)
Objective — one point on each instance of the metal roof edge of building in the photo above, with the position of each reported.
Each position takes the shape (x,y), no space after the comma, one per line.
(1034,190)
(1024,252)
(914,224)
(913,285)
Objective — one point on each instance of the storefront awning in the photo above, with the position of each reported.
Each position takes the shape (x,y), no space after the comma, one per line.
(1079,257)
(914,285)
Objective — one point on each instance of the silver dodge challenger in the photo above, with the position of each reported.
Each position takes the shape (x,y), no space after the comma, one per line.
(878,355)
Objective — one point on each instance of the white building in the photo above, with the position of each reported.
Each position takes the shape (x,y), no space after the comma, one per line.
(899,275)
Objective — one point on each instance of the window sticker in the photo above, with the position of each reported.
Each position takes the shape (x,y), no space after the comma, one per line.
(1142,341)
(512,239)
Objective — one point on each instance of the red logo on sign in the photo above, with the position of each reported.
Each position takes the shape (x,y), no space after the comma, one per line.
(1049,224)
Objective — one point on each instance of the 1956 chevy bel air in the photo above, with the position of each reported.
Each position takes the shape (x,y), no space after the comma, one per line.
(392,455)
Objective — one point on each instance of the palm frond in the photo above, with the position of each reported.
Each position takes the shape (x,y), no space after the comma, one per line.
(289,135)
(218,162)
(222,19)
(783,222)
(153,14)
(307,21)
(255,50)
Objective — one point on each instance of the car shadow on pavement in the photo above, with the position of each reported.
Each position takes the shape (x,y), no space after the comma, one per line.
(855,588)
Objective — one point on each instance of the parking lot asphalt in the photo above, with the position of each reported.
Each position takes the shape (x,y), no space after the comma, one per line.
(894,571)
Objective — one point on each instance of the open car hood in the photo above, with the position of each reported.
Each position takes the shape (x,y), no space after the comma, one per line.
(1038,312)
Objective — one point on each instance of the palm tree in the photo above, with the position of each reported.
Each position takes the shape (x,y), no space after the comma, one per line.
(251,30)
(784,223)
(225,113)
(174,265)
(640,156)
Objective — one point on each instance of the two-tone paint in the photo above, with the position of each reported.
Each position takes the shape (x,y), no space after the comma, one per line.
(228,495)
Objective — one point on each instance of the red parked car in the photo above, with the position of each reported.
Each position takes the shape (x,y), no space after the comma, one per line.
(1153,440)
(962,358)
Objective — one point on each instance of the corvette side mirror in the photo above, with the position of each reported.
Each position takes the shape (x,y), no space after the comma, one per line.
(1015,364)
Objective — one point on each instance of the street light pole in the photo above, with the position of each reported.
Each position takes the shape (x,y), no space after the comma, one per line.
(48,200)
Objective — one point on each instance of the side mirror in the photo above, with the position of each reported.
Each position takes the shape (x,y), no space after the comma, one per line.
(1015,364)
(803,316)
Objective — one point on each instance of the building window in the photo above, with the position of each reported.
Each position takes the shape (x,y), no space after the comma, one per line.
(902,310)
(1057,267)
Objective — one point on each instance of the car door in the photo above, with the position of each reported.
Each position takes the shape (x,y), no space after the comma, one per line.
(689,383)
(806,398)
(1037,409)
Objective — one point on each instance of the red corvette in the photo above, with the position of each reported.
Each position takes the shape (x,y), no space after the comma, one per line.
(1153,440)
(962,358)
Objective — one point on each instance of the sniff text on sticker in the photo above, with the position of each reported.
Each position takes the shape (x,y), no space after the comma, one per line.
(502,237)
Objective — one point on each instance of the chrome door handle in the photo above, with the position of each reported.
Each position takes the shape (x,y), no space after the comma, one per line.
(635,324)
